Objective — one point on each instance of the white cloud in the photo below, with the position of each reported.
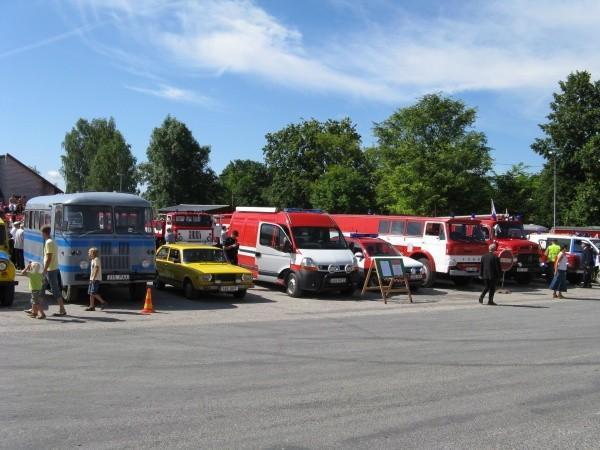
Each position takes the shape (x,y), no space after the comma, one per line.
(173,93)
(496,45)
(56,178)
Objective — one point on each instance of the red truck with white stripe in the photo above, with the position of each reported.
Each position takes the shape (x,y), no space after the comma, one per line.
(303,250)
(448,247)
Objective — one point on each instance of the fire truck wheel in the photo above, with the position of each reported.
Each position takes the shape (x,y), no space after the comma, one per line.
(188,290)
(7,295)
(523,278)
(429,275)
(292,286)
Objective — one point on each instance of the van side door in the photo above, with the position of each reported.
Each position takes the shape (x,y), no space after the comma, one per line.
(273,251)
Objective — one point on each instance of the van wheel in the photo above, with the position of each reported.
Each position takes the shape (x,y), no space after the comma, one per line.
(292,286)
(188,290)
(71,293)
(7,295)
(429,275)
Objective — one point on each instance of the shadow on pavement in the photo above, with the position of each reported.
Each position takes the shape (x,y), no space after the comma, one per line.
(523,306)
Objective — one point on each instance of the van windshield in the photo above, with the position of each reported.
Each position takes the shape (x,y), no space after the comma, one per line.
(319,238)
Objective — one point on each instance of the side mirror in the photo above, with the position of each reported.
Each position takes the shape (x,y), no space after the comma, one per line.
(359,255)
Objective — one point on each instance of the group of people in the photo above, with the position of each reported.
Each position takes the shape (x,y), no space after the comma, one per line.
(49,274)
(557,262)
(16,244)
(15,205)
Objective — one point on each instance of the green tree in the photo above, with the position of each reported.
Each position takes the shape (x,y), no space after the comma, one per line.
(245,183)
(342,190)
(572,142)
(516,191)
(431,161)
(300,154)
(97,158)
(177,169)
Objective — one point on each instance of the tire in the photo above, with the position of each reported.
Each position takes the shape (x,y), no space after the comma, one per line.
(523,278)
(7,295)
(158,284)
(348,291)
(137,292)
(71,293)
(461,281)
(188,290)
(292,286)
(240,294)
(429,275)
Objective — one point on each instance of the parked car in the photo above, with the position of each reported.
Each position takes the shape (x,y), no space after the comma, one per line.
(367,246)
(199,268)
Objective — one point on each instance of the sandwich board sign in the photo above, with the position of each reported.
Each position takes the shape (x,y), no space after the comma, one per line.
(389,273)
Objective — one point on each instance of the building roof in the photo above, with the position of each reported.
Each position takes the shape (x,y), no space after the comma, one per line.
(58,190)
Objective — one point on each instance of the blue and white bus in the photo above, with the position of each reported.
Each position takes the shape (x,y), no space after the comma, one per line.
(118,224)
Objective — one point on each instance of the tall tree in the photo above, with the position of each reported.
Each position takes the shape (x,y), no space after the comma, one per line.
(516,191)
(572,142)
(177,169)
(342,190)
(245,183)
(431,159)
(299,154)
(97,158)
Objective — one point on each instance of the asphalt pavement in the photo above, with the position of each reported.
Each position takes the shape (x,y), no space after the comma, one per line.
(274,372)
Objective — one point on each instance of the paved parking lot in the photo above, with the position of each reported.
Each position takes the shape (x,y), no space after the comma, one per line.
(270,371)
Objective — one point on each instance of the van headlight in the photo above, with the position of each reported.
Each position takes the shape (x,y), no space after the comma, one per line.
(83,265)
(308,264)
(349,268)
(247,277)
(145,263)
(205,277)
(3,265)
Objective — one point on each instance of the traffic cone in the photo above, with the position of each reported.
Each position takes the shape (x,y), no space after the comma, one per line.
(148,308)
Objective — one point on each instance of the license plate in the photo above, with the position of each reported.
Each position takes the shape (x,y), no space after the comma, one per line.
(229,288)
(337,280)
(522,269)
(117,277)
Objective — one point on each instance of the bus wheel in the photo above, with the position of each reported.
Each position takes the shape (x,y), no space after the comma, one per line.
(71,293)
(188,290)
(137,292)
(158,284)
(292,286)
(461,281)
(523,278)
(7,295)
(429,275)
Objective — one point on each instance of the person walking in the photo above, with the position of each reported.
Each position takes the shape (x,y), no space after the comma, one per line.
(588,263)
(551,253)
(490,272)
(95,278)
(51,271)
(19,243)
(231,247)
(33,271)
(559,282)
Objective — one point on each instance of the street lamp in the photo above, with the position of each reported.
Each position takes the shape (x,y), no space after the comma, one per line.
(553,153)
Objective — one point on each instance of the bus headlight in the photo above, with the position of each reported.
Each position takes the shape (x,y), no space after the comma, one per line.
(83,265)
(247,277)
(3,265)
(145,263)
(205,277)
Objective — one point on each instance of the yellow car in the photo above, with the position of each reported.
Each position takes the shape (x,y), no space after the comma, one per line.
(7,269)
(199,268)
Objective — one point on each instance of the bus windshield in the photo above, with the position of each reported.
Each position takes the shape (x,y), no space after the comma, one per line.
(509,230)
(203,255)
(463,232)
(87,219)
(319,238)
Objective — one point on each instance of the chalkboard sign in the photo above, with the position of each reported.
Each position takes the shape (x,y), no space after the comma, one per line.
(390,267)
(388,271)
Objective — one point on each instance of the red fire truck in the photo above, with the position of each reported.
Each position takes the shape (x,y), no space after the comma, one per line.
(189,226)
(508,233)
(450,247)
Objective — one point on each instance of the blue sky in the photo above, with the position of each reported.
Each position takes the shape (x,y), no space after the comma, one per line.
(236,70)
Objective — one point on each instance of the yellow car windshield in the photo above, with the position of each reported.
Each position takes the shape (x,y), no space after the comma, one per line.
(203,255)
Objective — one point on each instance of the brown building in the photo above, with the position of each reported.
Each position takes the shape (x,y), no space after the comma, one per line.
(19,179)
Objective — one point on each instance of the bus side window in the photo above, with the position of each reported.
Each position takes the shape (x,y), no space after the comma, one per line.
(58,218)
(398,227)
(36,220)
(414,228)
(47,219)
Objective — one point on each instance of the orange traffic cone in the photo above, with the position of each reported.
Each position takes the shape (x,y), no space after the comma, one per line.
(148,308)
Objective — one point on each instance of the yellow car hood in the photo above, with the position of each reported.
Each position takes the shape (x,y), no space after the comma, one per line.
(217,268)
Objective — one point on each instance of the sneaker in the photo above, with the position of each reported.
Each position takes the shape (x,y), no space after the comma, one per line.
(90,309)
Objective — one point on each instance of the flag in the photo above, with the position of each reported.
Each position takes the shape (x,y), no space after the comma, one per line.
(493,210)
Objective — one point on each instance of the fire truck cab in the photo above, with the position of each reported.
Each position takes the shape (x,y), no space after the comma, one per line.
(303,250)
(447,247)
(188,226)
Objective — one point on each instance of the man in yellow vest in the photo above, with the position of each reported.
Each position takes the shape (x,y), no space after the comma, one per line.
(551,254)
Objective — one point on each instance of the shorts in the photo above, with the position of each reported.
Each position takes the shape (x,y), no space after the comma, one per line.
(37,298)
(53,280)
(94,287)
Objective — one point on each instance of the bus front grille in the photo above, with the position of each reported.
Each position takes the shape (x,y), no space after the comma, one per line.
(114,255)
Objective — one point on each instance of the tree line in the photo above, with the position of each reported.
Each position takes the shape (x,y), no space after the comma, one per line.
(428,159)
